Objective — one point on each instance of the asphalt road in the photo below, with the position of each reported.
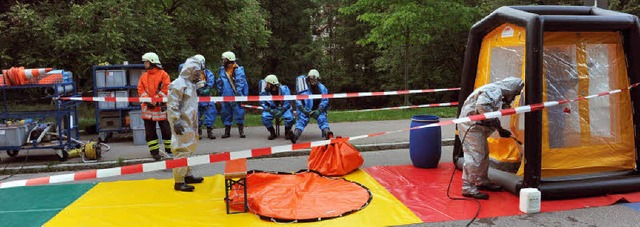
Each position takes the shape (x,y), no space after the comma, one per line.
(615,215)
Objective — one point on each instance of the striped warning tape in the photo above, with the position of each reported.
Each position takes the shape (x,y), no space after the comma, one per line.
(255,98)
(368,110)
(226,156)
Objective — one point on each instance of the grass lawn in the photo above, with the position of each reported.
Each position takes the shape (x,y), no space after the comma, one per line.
(253,117)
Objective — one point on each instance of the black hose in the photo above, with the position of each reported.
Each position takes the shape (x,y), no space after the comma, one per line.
(451,180)
(14,173)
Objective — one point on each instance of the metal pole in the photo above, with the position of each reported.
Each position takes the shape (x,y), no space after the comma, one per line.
(603,4)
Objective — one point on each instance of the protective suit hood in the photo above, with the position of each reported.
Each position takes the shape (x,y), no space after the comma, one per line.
(190,67)
(510,87)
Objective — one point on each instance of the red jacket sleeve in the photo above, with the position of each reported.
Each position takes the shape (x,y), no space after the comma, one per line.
(142,86)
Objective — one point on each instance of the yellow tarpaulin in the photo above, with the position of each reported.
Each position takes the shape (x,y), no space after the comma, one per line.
(153,202)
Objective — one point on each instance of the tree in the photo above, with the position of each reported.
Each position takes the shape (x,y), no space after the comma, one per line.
(398,26)
(627,6)
(291,51)
(346,66)
(74,35)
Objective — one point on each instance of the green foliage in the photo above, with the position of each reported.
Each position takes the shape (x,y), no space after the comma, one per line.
(627,6)
(253,118)
(291,51)
(357,45)
(420,42)
(75,35)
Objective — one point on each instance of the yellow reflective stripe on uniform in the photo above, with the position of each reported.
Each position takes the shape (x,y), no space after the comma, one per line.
(167,144)
(152,142)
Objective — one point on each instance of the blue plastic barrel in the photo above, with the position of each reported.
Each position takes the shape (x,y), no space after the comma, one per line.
(425,145)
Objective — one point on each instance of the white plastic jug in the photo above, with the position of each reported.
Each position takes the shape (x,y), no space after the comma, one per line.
(530,199)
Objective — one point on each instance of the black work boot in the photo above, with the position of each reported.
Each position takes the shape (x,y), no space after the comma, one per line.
(327,134)
(183,187)
(210,133)
(490,187)
(295,135)
(287,132)
(241,130)
(477,195)
(156,155)
(227,132)
(272,132)
(193,180)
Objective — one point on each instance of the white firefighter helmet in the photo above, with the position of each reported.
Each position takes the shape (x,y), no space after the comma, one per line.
(151,57)
(229,56)
(272,79)
(314,73)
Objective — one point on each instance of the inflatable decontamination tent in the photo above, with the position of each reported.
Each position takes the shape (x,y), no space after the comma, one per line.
(576,149)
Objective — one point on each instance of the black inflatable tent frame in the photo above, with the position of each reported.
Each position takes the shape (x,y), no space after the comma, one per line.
(536,20)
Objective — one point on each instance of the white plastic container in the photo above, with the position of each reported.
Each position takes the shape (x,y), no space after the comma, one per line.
(135,120)
(106,105)
(530,199)
(134,76)
(122,94)
(139,136)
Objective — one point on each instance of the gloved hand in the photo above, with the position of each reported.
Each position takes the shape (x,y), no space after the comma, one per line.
(304,110)
(273,112)
(314,114)
(200,84)
(177,128)
(494,123)
(504,133)
(278,114)
(151,105)
(204,91)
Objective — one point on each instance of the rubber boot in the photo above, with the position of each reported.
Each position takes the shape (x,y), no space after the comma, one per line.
(272,132)
(193,180)
(183,187)
(327,134)
(477,195)
(227,132)
(295,135)
(241,130)
(156,155)
(287,132)
(210,133)
(490,187)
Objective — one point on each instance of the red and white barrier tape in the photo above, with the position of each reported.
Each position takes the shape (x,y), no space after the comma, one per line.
(255,98)
(226,156)
(387,108)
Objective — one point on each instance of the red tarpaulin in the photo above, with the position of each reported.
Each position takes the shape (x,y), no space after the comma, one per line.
(424,191)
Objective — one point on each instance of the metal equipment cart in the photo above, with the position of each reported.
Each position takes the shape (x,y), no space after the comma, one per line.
(63,118)
(116,81)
